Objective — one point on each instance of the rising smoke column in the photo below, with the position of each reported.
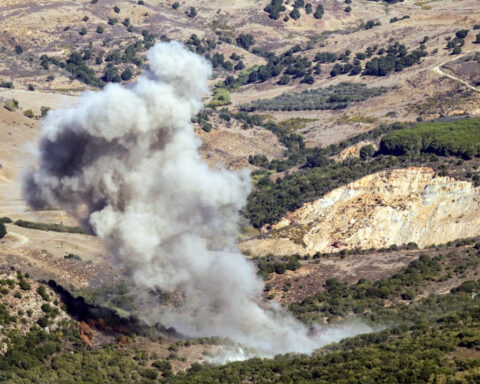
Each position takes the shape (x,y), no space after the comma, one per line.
(126,161)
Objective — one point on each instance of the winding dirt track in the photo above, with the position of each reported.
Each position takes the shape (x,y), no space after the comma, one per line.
(22,240)
(438,69)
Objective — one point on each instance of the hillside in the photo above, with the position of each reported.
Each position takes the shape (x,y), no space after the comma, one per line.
(353,238)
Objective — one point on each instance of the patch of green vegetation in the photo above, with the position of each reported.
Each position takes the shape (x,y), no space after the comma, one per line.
(270,264)
(295,123)
(454,138)
(11,105)
(72,257)
(259,174)
(345,119)
(29,113)
(333,97)
(221,97)
(48,227)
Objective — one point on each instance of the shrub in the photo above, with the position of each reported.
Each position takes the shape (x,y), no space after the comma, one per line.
(83,31)
(42,291)
(462,33)
(46,308)
(11,105)
(6,84)
(245,41)
(18,49)
(192,12)
(367,151)
(318,12)
(29,113)
(31,87)
(42,322)
(99,29)
(24,284)
(44,110)
(116,9)
(207,127)
(72,256)
(3,230)
(149,373)
(284,80)
(126,74)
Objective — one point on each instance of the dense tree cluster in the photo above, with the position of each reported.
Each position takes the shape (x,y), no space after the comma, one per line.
(245,41)
(397,59)
(455,138)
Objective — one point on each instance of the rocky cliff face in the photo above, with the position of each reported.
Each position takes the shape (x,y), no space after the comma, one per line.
(382,209)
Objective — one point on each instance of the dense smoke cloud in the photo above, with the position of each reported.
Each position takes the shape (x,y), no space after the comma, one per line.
(126,161)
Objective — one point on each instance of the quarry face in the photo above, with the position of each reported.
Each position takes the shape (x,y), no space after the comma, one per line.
(397,207)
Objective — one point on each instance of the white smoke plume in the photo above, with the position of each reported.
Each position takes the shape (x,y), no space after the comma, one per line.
(126,160)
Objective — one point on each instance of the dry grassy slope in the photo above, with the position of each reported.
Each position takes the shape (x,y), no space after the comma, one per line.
(39,26)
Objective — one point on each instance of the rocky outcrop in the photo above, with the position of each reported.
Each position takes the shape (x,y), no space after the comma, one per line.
(392,207)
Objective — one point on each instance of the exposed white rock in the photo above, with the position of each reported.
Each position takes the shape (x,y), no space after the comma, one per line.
(386,208)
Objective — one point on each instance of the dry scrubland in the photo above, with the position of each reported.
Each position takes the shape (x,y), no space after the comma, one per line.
(389,205)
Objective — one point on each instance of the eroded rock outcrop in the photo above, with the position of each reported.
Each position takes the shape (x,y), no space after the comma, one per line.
(391,207)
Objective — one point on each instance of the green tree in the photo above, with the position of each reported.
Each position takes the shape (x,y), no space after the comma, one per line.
(295,14)
(116,9)
(284,80)
(83,31)
(126,74)
(318,12)
(99,29)
(456,50)
(192,12)
(176,5)
(245,41)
